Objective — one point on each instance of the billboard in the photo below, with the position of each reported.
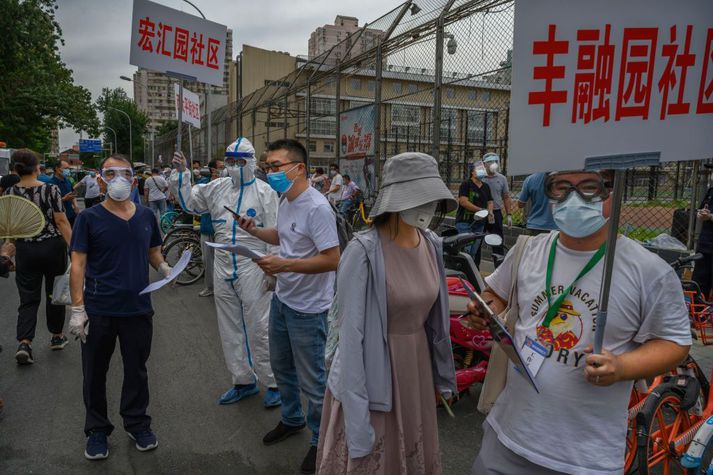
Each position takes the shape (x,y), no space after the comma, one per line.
(191,106)
(90,145)
(610,78)
(356,142)
(170,41)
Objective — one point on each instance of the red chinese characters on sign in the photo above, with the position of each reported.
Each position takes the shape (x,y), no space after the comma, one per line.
(197,47)
(163,29)
(549,73)
(674,75)
(212,61)
(636,75)
(595,67)
(146,32)
(180,44)
(705,94)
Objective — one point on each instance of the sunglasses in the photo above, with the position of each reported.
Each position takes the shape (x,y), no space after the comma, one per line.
(589,190)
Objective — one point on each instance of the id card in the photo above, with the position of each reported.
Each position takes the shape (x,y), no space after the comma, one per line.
(533,354)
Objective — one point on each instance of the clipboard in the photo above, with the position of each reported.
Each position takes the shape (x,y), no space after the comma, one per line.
(503,338)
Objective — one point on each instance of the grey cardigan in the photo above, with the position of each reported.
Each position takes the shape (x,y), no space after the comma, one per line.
(360,377)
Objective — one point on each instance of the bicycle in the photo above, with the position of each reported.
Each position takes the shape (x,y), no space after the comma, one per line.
(359,219)
(180,231)
(173,252)
(168,219)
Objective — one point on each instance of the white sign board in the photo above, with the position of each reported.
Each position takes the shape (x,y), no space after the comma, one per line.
(606,77)
(170,41)
(191,106)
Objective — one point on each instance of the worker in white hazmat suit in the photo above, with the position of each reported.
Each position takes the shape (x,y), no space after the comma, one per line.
(241,301)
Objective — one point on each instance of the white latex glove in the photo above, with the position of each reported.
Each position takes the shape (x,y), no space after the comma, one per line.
(79,323)
(509,221)
(179,160)
(164,269)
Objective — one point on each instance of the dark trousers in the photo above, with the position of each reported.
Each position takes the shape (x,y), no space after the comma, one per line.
(703,273)
(89,202)
(35,261)
(134,334)
(497,228)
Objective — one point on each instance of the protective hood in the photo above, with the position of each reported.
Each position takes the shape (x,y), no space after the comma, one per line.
(243,149)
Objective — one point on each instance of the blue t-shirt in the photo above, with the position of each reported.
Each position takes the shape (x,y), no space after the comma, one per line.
(65,186)
(540,216)
(117,260)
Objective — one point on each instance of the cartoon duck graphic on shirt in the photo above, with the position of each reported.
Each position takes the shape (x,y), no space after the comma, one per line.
(565,329)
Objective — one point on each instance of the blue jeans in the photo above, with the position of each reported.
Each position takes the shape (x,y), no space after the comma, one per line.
(345,206)
(297,342)
(473,249)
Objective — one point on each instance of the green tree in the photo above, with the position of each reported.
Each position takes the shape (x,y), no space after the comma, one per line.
(112,99)
(37,92)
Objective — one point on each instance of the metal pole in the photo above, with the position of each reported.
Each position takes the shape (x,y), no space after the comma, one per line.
(694,204)
(179,135)
(377,116)
(601,319)
(337,109)
(115,141)
(210,125)
(131,142)
(153,155)
(438,82)
(190,143)
(308,120)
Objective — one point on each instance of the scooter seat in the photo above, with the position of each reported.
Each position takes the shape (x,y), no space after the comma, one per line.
(454,244)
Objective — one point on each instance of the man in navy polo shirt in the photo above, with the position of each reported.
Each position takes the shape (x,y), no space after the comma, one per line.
(112,246)
(66,189)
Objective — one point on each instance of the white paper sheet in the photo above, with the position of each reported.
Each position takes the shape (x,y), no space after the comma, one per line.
(175,272)
(238,249)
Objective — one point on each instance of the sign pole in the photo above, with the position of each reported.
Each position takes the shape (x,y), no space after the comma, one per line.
(180,114)
(190,143)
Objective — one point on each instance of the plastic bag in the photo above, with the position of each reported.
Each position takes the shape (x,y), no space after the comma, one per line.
(666,241)
(60,289)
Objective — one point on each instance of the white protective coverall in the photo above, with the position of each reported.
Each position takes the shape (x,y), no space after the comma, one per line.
(242,306)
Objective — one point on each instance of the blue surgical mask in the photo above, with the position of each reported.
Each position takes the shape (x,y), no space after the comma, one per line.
(66,172)
(279,181)
(92,174)
(578,218)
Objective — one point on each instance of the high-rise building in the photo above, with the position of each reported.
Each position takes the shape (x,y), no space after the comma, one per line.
(154,92)
(343,33)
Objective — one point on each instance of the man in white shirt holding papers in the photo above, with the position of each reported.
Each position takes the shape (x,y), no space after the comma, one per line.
(578,421)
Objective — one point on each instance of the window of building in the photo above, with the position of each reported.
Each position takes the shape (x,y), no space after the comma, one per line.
(356,84)
(472,95)
(482,126)
(397,87)
(449,124)
(328,147)
(405,121)
(485,95)
(371,85)
(312,146)
(412,88)
(323,119)
(450,92)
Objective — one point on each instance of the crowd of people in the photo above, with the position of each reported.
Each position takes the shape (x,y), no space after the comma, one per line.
(374,409)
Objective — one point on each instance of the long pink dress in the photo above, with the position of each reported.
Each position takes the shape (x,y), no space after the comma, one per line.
(406,437)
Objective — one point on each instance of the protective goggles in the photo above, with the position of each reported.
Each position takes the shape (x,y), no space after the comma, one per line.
(235,162)
(589,190)
(109,174)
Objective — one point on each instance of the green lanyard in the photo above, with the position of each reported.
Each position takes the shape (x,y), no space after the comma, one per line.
(553,309)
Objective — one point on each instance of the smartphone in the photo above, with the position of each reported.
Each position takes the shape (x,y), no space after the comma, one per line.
(235,215)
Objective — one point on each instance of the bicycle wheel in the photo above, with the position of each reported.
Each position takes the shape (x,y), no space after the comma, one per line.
(659,422)
(631,449)
(167,220)
(178,233)
(194,271)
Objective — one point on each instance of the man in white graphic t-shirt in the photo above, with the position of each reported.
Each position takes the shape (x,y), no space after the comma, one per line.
(578,421)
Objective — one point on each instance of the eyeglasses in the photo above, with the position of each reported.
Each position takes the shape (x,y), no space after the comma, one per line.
(109,174)
(589,190)
(275,166)
(231,162)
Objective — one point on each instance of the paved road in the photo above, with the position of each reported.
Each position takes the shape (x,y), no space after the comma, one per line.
(41,427)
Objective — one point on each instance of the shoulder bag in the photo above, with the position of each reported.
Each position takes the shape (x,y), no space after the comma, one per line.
(496,375)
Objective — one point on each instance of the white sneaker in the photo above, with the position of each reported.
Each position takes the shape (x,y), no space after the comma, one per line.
(205,293)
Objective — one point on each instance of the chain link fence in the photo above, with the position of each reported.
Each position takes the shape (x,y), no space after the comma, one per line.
(431,76)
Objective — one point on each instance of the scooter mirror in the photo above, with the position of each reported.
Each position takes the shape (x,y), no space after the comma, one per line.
(482,214)
(493,240)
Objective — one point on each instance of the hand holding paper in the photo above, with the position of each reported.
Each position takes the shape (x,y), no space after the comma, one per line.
(169,273)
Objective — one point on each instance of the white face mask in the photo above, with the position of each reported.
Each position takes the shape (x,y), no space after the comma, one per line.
(119,189)
(420,216)
(494,167)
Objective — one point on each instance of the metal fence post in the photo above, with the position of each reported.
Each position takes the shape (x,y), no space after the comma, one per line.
(337,110)
(377,112)
(437,86)
(308,119)
(694,205)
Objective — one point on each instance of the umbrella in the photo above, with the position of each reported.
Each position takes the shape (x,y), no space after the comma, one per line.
(19,218)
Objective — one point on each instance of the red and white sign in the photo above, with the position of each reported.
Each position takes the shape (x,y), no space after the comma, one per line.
(170,41)
(606,77)
(191,106)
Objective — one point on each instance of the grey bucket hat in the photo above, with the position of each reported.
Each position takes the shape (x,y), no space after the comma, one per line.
(411,179)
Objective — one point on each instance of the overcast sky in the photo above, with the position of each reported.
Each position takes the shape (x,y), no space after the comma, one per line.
(97,32)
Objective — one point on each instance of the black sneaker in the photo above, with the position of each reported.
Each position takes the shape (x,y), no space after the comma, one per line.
(280,433)
(309,464)
(24,354)
(58,342)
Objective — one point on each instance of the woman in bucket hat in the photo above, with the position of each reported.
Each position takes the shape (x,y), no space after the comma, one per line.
(379,414)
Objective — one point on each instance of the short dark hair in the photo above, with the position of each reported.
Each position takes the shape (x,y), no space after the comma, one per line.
(334,165)
(320,170)
(116,156)
(296,151)
(24,161)
(347,177)
(213,163)
(196,161)
(154,170)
